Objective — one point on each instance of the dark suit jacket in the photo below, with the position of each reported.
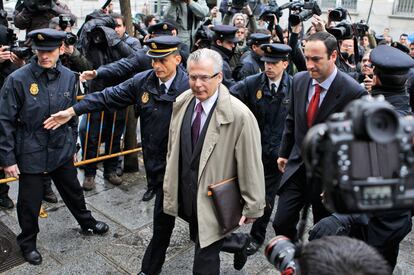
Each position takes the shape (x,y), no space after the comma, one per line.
(342,90)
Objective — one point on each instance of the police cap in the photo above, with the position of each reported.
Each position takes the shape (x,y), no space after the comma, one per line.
(162,28)
(225,33)
(46,39)
(391,60)
(275,52)
(162,46)
(259,39)
(401,47)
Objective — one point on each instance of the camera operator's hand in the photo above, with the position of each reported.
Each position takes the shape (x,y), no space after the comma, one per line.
(318,23)
(87,75)
(5,54)
(297,28)
(246,220)
(19,62)
(281,164)
(68,49)
(329,226)
(368,83)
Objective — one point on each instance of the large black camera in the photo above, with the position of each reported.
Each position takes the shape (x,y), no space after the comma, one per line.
(338,14)
(272,9)
(364,158)
(65,20)
(237,5)
(71,38)
(38,5)
(346,30)
(343,30)
(14,47)
(305,11)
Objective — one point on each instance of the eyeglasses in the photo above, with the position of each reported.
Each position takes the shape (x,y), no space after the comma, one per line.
(203,78)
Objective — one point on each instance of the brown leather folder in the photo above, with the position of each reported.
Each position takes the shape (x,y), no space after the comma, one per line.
(228,203)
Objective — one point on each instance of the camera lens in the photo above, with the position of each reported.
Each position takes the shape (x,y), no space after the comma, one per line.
(381,125)
(280,252)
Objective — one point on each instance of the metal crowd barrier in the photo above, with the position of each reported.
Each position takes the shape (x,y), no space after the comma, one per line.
(98,156)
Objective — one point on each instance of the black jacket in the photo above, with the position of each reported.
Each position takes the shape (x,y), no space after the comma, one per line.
(269,109)
(343,90)
(154,109)
(29,96)
(228,80)
(250,65)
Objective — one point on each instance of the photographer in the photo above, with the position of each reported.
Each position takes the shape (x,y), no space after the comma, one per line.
(9,62)
(101,45)
(384,230)
(341,256)
(120,29)
(36,14)
(71,58)
(188,15)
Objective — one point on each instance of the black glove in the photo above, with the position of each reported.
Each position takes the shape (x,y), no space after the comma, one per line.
(327,227)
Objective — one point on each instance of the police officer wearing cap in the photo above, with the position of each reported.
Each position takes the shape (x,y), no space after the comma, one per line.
(153,93)
(124,69)
(30,152)
(251,62)
(391,66)
(224,42)
(267,95)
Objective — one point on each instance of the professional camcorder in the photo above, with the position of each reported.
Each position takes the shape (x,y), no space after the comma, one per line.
(305,11)
(347,30)
(71,38)
(364,158)
(20,52)
(65,20)
(38,5)
(338,14)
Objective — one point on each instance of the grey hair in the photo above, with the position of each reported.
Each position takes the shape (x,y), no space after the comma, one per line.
(203,54)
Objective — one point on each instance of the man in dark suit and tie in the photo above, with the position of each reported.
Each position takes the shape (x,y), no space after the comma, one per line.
(316,94)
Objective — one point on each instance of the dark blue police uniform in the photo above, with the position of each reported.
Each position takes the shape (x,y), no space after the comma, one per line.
(251,63)
(29,96)
(270,107)
(154,107)
(225,33)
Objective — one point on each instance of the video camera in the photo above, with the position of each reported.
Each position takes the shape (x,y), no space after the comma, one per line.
(338,14)
(364,158)
(20,52)
(65,20)
(38,5)
(347,30)
(305,11)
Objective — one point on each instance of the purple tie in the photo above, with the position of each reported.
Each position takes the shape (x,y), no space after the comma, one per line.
(195,128)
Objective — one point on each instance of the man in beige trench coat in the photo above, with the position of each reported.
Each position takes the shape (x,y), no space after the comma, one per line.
(213,136)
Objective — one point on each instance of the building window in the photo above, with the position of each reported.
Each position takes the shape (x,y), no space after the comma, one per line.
(350,5)
(404,7)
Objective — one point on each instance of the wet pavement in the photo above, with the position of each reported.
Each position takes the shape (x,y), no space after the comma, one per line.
(66,251)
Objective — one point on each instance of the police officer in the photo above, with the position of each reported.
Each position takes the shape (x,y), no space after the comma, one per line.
(391,66)
(31,153)
(267,96)
(153,93)
(126,68)
(251,62)
(224,42)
